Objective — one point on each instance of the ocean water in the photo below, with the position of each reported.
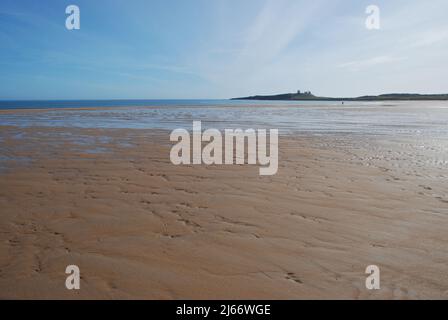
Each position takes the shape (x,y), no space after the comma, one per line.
(410,118)
(61,104)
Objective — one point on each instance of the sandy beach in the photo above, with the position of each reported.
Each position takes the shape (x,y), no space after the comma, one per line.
(139,227)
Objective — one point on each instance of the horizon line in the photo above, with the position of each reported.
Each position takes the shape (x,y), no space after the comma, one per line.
(174,99)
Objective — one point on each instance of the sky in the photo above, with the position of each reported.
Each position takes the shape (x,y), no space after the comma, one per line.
(188,49)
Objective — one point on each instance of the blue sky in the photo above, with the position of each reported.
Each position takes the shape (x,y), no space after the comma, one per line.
(220,48)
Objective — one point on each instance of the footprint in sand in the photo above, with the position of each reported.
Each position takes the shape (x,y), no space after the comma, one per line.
(293,277)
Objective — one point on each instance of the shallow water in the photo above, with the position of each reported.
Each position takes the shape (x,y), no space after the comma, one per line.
(411,135)
(428,119)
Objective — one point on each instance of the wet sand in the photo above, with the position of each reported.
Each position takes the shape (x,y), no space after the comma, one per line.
(111,202)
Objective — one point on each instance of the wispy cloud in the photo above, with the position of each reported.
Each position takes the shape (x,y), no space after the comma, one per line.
(428,38)
(266,40)
(370,62)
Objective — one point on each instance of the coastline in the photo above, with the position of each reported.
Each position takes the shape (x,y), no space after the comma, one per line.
(308,96)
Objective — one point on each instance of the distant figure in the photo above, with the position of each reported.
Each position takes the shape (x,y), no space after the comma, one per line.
(342,102)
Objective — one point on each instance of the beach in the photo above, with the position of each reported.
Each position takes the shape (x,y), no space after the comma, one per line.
(110,201)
